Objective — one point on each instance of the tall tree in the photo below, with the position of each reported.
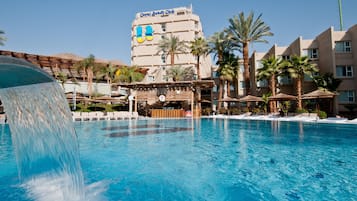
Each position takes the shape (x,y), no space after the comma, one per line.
(230,71)
(178,73)
(108,72)
(129,74)
(245,30)
(220,45)
(327,81)
(88,67)
(2,38)
(272,67)
(171,47)
(298,67)
(199,47)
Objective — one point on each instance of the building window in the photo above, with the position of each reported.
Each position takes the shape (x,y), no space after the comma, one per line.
(163,27)
(196,25)
(242,84)
(258,64)
(262,83)
(310,77)
(344,71)
(312,53)
(151,78)
(215,88)
(285,57)
(343,46)
(241,68)
(285,80)
(347,96)
(231,87)
(181,13)
(163,58)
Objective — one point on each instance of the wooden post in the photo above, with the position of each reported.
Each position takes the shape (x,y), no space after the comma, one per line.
(136,104)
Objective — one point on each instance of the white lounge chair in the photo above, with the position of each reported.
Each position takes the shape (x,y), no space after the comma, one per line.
(76,116)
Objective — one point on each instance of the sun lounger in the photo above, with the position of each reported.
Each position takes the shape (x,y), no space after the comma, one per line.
(76,116)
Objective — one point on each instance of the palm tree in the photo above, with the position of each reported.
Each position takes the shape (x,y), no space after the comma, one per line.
(89,67)
(108,72)
(171,46)
(230,70)
(227,74)
(199,47)
(327,81)
(2,38)
(129,74)
(177,73)
(220,45)
(62,77)
(272,67)
(243,31)
(298,67)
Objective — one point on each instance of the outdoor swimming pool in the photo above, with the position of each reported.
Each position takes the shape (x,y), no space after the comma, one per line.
(206,159)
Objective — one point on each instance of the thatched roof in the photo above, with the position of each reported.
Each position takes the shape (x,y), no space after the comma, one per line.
(63,62)
(229,99)
(319,93)
(281,97)
(250,98)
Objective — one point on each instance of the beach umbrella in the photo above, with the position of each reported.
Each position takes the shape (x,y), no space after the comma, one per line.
(250,98)
(319,93)
(229,99)
(282,97)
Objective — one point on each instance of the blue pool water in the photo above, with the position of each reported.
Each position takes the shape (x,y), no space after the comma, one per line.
(204,159)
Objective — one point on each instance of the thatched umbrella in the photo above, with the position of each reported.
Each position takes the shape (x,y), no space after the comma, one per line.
(320,93)
(250,98)
(282,97)
(229,99)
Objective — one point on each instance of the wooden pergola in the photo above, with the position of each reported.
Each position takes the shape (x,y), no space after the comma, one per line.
(170,91)
(55,64)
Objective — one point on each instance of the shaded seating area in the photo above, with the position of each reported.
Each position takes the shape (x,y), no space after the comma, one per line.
(322,97)
(168,99)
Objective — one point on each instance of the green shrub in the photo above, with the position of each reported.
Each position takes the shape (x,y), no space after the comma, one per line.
(235,111)
(206,111)
(321,114)
(245,110)
(223,111)
(303,110)
(255,110)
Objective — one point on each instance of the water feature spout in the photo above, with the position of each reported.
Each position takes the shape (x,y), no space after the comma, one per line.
(16,72)
(42,132)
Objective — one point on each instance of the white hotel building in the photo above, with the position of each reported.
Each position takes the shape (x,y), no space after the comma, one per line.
(150,27)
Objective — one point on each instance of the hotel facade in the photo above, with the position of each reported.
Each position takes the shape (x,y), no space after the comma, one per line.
(332,51)
(148,28)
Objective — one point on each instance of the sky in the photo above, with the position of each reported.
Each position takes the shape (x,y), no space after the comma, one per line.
(103,27)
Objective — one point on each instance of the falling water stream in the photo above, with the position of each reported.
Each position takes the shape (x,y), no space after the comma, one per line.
(43,136)
(44,141)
